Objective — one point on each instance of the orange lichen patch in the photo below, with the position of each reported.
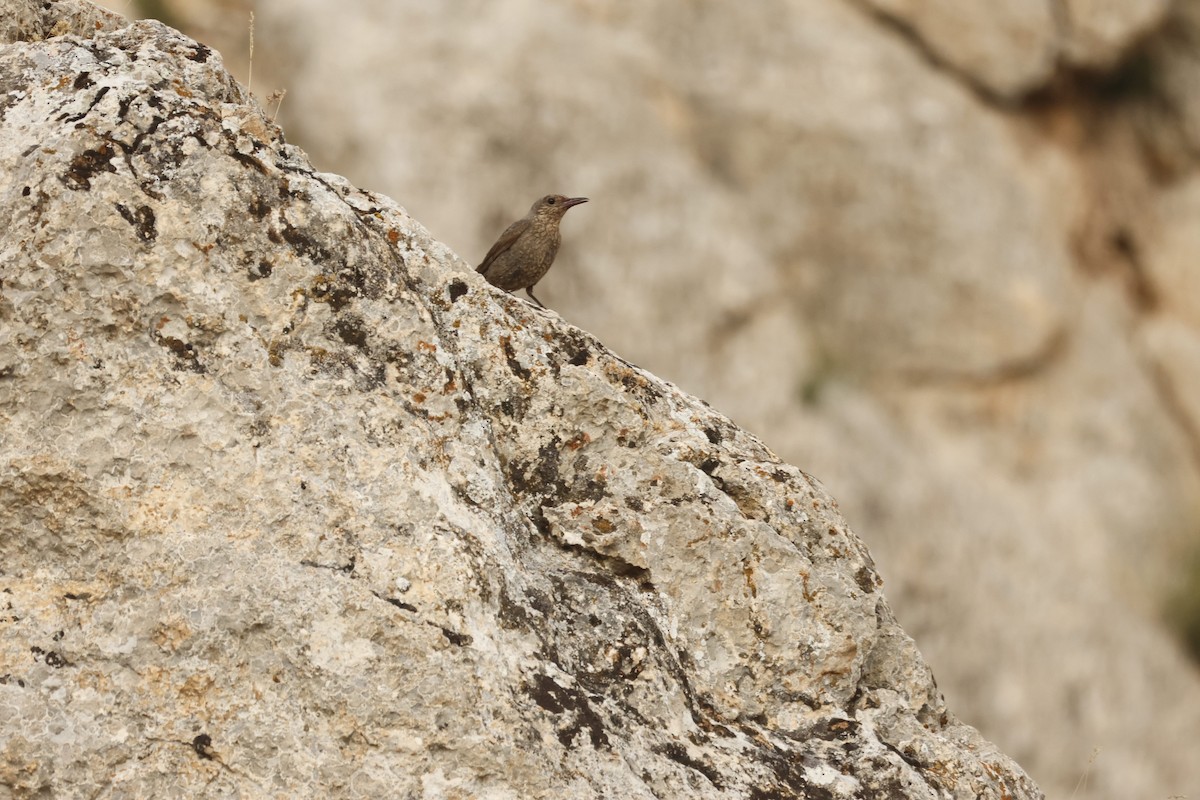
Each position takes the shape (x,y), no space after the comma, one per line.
(578,440)
(196,686)
(809,595)
(418,398)
(170,635)
(450,386)
(426,347)
(840,726)
(93,679)
(603,525)
(748,572)
(393,235)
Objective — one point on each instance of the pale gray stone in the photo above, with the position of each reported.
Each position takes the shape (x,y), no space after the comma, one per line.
(297,504)
(1013,48)
(1007,48)
(813,221)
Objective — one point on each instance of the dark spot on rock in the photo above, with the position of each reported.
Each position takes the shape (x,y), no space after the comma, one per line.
(142,219)
(835,729)
(303,485)
(455,638)
(511,614)
(262,270)
(25,192)
(397,603)
(677,753)
(83,81)
(625,569)
(6,679)
(634,503)
(345,569)
(351,330)
(250,161)
(306,245)
(259,208)
(58,636)
(791,782)
(457,289)
(713,435)
(199,53)
(95,102)
(515,408)
(572,702)
(54,659)
(541,602)
(708,466)
(85,166)
(326,290)
(202,744)
(641,388)
(866,579)
(510,356)
(184,352)
(581,357)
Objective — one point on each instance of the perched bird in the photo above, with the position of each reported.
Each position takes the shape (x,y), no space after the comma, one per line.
(524,252)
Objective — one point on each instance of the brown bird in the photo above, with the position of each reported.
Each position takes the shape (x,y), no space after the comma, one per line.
(524,252)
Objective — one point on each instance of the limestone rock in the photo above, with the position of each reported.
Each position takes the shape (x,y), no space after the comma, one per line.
(1010,49)
(297,504)
(34,20)
(813,221)
(1100,32)
(1007,48)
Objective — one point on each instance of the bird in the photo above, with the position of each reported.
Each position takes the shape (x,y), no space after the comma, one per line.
(524,252)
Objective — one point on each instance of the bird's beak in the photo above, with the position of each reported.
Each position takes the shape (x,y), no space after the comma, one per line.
(573,201)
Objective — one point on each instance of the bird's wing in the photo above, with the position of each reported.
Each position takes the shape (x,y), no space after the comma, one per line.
(510,235)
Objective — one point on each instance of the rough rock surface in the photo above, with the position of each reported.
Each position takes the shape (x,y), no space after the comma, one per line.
(1013,48)
(297,504)
(973,320)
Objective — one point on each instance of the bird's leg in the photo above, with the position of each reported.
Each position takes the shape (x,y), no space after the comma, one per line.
(529,291)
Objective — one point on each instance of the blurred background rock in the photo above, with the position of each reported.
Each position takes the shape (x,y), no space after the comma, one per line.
(944,256)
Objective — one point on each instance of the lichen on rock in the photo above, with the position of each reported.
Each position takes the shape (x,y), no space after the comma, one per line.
(297,503)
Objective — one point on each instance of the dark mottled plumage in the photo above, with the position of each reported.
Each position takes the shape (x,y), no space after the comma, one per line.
(524,252)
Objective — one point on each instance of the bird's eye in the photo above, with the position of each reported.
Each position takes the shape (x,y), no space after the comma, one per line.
(551,200)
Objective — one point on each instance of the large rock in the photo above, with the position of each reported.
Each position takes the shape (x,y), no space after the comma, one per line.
(1012,49)
(297,504)
(935,302)
(1007,48)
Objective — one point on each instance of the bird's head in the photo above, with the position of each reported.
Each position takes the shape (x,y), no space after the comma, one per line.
(555,205)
